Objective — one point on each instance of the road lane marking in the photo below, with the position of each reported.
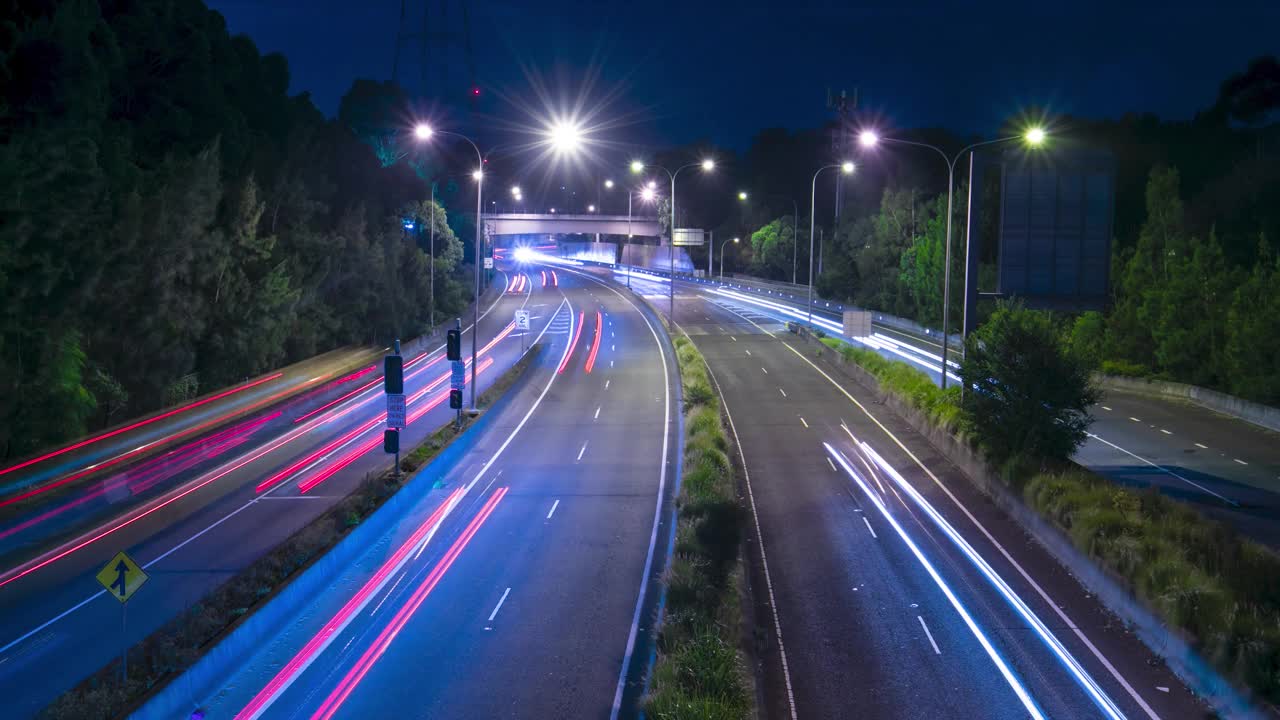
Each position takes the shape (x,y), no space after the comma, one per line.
(378,607)
(552,511)
(1167,470)
(764,558)
(597,416)
(657,510)
(606,384)
(833,465)
(1104,407)
(1003,667)
(1093,649)
(498,607)
(1134,419)
(784,392)
(733,338)
(766,372)
(928,634)
(748,352)
(1240,461)
(1166,432)
(803,422)
(1202,447)
(869,528)
(583,450)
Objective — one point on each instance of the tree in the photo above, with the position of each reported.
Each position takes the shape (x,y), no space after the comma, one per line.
(1252,352)
(1029,394)
(771,249)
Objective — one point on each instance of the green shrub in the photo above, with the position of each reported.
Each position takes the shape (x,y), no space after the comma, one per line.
(1030,394)
(1124,368)
(698,673)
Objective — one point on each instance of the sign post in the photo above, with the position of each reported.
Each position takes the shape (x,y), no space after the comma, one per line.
(522,324)
(122,577)
(393,387)
(458,375)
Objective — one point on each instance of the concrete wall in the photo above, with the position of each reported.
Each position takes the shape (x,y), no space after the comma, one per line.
(1168,643)
(1256,413)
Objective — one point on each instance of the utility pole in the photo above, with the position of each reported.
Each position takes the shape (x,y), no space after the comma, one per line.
(843,106)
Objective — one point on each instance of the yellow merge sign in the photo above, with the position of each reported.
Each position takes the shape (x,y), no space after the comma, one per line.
(122,577)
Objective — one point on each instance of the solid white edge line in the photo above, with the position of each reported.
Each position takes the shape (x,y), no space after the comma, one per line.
(657,509)
(764,559)
(1162,468)
(467,489)
(1093,649)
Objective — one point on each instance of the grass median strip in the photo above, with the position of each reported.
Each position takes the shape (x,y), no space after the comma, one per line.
(166,653)
(699,671)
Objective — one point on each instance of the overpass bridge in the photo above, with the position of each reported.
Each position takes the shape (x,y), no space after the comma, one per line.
(564,224)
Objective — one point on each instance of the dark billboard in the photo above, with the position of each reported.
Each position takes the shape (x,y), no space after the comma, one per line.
(1055,228)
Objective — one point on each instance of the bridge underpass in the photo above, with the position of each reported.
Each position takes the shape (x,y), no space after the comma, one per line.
(635,227)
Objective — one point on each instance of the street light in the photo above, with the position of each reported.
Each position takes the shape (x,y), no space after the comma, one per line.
(795,231)
(846,167)
(515,190)
(565,137)
(726,242)
(424,132)
(637,167)
(742,194)
(591,208)
(608,184)
(1034,137)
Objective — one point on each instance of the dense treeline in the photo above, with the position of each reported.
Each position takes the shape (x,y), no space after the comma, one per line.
(1194,267)
(172,220)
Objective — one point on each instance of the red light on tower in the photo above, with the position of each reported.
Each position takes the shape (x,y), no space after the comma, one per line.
(475,92)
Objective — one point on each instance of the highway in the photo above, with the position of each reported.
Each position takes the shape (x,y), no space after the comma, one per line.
(524,583)
(1228,468)
(199,522)
(894,588)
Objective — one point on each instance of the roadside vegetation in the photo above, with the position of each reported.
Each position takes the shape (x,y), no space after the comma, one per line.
(699,673)
(164,654)
(1027,414)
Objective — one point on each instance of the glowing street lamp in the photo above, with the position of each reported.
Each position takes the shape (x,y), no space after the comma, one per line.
(707,165)
(726,242)
(1033,137)
(608,184)
(591,208)
(515,190)
(847,168)
(742,195)
(565,137)
(425,132)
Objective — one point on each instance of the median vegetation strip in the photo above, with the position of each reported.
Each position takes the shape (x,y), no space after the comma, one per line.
(699,671)
(1198,575)
(178,644)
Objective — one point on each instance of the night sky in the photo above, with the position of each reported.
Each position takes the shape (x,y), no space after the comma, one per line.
(670,73)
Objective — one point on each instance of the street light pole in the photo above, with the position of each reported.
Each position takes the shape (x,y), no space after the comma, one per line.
(1035,136)
(433,257)
(846,168)
(726,242)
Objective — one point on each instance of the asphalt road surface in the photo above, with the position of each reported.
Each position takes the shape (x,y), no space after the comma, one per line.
(894,588)
(524,584)
(203,522)
(1228,468)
